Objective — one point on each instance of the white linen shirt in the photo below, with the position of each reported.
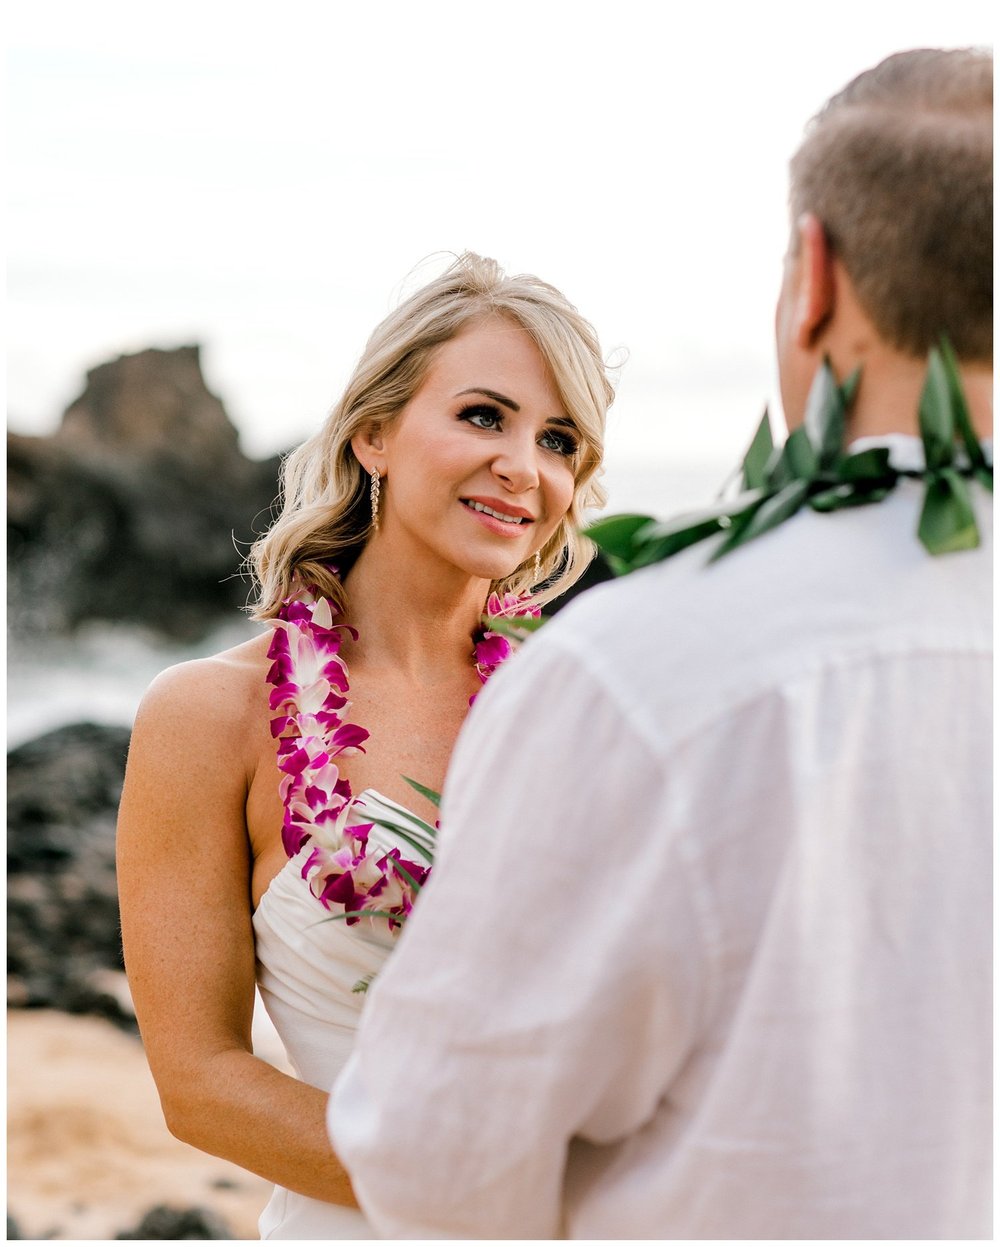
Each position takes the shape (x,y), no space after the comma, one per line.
(706,952)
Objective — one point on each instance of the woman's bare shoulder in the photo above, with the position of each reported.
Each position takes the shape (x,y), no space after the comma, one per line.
(221,692)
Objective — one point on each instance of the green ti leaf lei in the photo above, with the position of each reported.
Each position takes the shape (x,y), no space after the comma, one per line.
(812,469)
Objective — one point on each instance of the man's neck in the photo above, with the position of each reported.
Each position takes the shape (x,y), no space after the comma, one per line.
(888,397)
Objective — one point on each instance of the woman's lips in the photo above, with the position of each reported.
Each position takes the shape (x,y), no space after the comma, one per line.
(513,524)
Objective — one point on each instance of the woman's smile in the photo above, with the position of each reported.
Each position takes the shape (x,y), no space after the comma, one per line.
(498,516)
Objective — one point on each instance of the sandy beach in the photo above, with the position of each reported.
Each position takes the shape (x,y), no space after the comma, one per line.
(88,1152)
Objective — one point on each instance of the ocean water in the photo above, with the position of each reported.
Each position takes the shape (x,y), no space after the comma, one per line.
(100,674)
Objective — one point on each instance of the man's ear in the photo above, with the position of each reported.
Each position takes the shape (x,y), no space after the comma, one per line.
(815,291)
(368,446)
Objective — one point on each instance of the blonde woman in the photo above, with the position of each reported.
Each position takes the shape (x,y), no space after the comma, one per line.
(451,477)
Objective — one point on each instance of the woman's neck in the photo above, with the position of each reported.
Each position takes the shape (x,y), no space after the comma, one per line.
(417,622)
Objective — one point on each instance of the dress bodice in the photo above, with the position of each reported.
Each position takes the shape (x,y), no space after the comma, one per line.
(309,959)
(308,962)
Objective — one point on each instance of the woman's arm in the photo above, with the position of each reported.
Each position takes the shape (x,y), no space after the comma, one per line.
(184,868)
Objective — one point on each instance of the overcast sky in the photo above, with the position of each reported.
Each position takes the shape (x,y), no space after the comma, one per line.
(263,179)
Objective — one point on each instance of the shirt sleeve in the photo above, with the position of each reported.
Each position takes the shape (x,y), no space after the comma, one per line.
(548,985)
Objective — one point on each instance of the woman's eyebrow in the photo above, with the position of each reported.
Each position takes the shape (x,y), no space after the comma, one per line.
(497,398)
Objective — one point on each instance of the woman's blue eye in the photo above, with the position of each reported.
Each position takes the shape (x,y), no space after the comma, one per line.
(485,416)
(561,443)
(482,416)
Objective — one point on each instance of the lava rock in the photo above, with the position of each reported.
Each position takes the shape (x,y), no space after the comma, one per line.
(140,507)
(178,1224)
(63,933)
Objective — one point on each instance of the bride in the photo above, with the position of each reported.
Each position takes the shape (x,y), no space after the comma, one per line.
(452,475)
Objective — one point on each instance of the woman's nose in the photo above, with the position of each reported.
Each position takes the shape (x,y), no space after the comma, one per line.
(516,464)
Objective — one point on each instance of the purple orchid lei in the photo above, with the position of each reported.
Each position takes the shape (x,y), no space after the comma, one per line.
(491,649)
(309,699)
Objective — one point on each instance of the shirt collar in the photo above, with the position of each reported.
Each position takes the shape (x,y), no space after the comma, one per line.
(906,452)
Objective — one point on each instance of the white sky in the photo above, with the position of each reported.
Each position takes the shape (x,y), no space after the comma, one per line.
(263,179)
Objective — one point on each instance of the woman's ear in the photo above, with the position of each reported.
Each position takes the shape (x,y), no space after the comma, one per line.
(368,446)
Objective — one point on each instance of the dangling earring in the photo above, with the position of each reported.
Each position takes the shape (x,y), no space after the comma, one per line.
(376,484)
(538,567)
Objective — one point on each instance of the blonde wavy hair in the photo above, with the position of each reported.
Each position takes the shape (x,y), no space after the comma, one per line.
(325,512)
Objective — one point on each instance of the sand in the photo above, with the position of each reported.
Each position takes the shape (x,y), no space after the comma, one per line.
(88,1152)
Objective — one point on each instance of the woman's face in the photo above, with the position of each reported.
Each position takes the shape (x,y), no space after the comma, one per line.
(479,467)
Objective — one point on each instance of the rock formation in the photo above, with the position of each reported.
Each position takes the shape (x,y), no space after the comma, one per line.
(179,1224)
(140,507)
(63,935)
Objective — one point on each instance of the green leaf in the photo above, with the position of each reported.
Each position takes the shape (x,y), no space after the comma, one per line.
(655,540)
(756,459)
(833,499)
(765,516)
(516,627)
(615,534)
(655,551)
(364,913)
(735,529)
(619,567)
(960,407)
(422,828)
(407,877)
(848,495)
(800,456)
(363,983)
(425,850)
(826,416)
(661,539)
(849,389)
(776,473)
(947,521)
(723,510)
(936,415)
(985,477)
(433,797)
(868,465)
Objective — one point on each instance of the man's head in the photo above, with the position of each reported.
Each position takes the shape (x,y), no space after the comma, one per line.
(892,208)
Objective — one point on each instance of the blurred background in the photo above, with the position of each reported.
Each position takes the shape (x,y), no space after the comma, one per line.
(209,208)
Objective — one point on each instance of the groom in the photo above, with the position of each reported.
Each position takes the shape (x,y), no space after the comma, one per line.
(707,949)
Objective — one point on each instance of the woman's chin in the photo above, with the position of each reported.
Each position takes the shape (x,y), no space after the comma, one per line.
(490,569)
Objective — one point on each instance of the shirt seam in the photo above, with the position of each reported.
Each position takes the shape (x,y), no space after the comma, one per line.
(645,729)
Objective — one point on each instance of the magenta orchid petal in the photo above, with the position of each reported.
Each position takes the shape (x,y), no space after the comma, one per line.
(293,838)
(283,691)
(340,889)
(492,650)
(348,736)
(295,763)
(316,797)
(278,648)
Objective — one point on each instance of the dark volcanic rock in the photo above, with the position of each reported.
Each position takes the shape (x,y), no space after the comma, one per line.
(179,1224)
(63,937)
(139,508)
(152,406)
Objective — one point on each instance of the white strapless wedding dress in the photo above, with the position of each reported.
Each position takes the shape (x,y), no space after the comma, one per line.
(307,966)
